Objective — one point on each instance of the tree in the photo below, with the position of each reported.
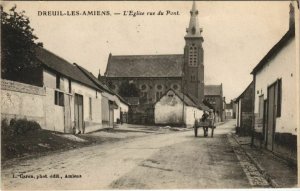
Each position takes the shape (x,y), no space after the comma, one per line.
(18,45)
(128,90)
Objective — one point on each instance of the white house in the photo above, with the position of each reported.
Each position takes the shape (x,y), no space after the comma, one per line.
(175,108)
(77,98)
(116,106)
(275,80)
(67,101)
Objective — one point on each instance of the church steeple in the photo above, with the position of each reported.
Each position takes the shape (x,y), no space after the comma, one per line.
(193,70)
(193,30)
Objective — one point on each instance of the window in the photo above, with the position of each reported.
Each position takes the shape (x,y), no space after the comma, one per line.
(143,87)
(175,87)
(193,78)
(158,95)
(193,56)
(159,87)
(58,98)
(90,108)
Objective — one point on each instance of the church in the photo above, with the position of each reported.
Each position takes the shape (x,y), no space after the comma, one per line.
(154,75)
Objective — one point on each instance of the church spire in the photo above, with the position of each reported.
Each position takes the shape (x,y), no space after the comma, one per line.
(193,30)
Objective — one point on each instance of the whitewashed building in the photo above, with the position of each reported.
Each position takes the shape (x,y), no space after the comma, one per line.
(275,80)
(67,100)
(116,106)
(175,108)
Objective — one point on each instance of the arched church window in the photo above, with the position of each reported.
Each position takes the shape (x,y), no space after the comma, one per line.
(175,87)
(143,87)
(159,87)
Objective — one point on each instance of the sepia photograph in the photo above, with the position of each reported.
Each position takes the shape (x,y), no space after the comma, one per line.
(123,95)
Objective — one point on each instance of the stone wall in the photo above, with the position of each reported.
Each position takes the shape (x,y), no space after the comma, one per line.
(20,100)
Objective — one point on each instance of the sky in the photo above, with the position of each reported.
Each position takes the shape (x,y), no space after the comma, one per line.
(237,34)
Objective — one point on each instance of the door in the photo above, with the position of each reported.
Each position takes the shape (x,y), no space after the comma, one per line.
(67,114)
(78,109)
(111,117)
(271,117)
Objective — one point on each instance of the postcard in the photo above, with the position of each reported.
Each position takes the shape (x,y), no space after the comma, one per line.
(149,94)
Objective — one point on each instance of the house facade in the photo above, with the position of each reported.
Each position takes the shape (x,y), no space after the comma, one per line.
(175,108)
(68,100)
(275,111)
(229,111)
(244,111)
(213,95)
(118,108)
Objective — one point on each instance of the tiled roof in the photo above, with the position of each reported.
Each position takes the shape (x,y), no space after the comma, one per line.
(63,67)
(132,100)
(100,84)
(145,66)
(213,90)
(242,94)
(186,99)
(276,48)
(94,79)
(199,103)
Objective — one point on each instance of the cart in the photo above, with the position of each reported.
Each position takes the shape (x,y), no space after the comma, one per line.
(205,125)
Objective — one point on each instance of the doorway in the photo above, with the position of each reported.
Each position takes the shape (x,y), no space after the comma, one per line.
(78,109)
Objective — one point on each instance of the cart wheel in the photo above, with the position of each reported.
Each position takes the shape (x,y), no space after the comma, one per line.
(196,131)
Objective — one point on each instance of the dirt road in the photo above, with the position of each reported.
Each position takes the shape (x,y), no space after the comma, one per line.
(171,160)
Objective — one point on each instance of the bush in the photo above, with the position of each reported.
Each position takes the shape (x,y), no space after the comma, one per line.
(18,127)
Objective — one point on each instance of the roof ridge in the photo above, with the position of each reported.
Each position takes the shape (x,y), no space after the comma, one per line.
(274,49)
(146,55)
(54,54)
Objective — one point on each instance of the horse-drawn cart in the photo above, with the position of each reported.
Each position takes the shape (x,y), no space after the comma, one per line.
(208,123)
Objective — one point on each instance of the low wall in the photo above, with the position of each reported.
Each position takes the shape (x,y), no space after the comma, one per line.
(20,100)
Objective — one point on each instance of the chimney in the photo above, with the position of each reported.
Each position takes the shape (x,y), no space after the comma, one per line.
(292,16)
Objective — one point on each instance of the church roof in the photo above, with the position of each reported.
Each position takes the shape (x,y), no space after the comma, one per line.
(213,90)
(168,65)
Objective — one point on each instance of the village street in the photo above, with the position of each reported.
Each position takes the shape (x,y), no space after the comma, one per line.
(168,160)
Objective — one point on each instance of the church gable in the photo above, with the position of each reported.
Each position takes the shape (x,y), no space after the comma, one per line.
(145,66)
